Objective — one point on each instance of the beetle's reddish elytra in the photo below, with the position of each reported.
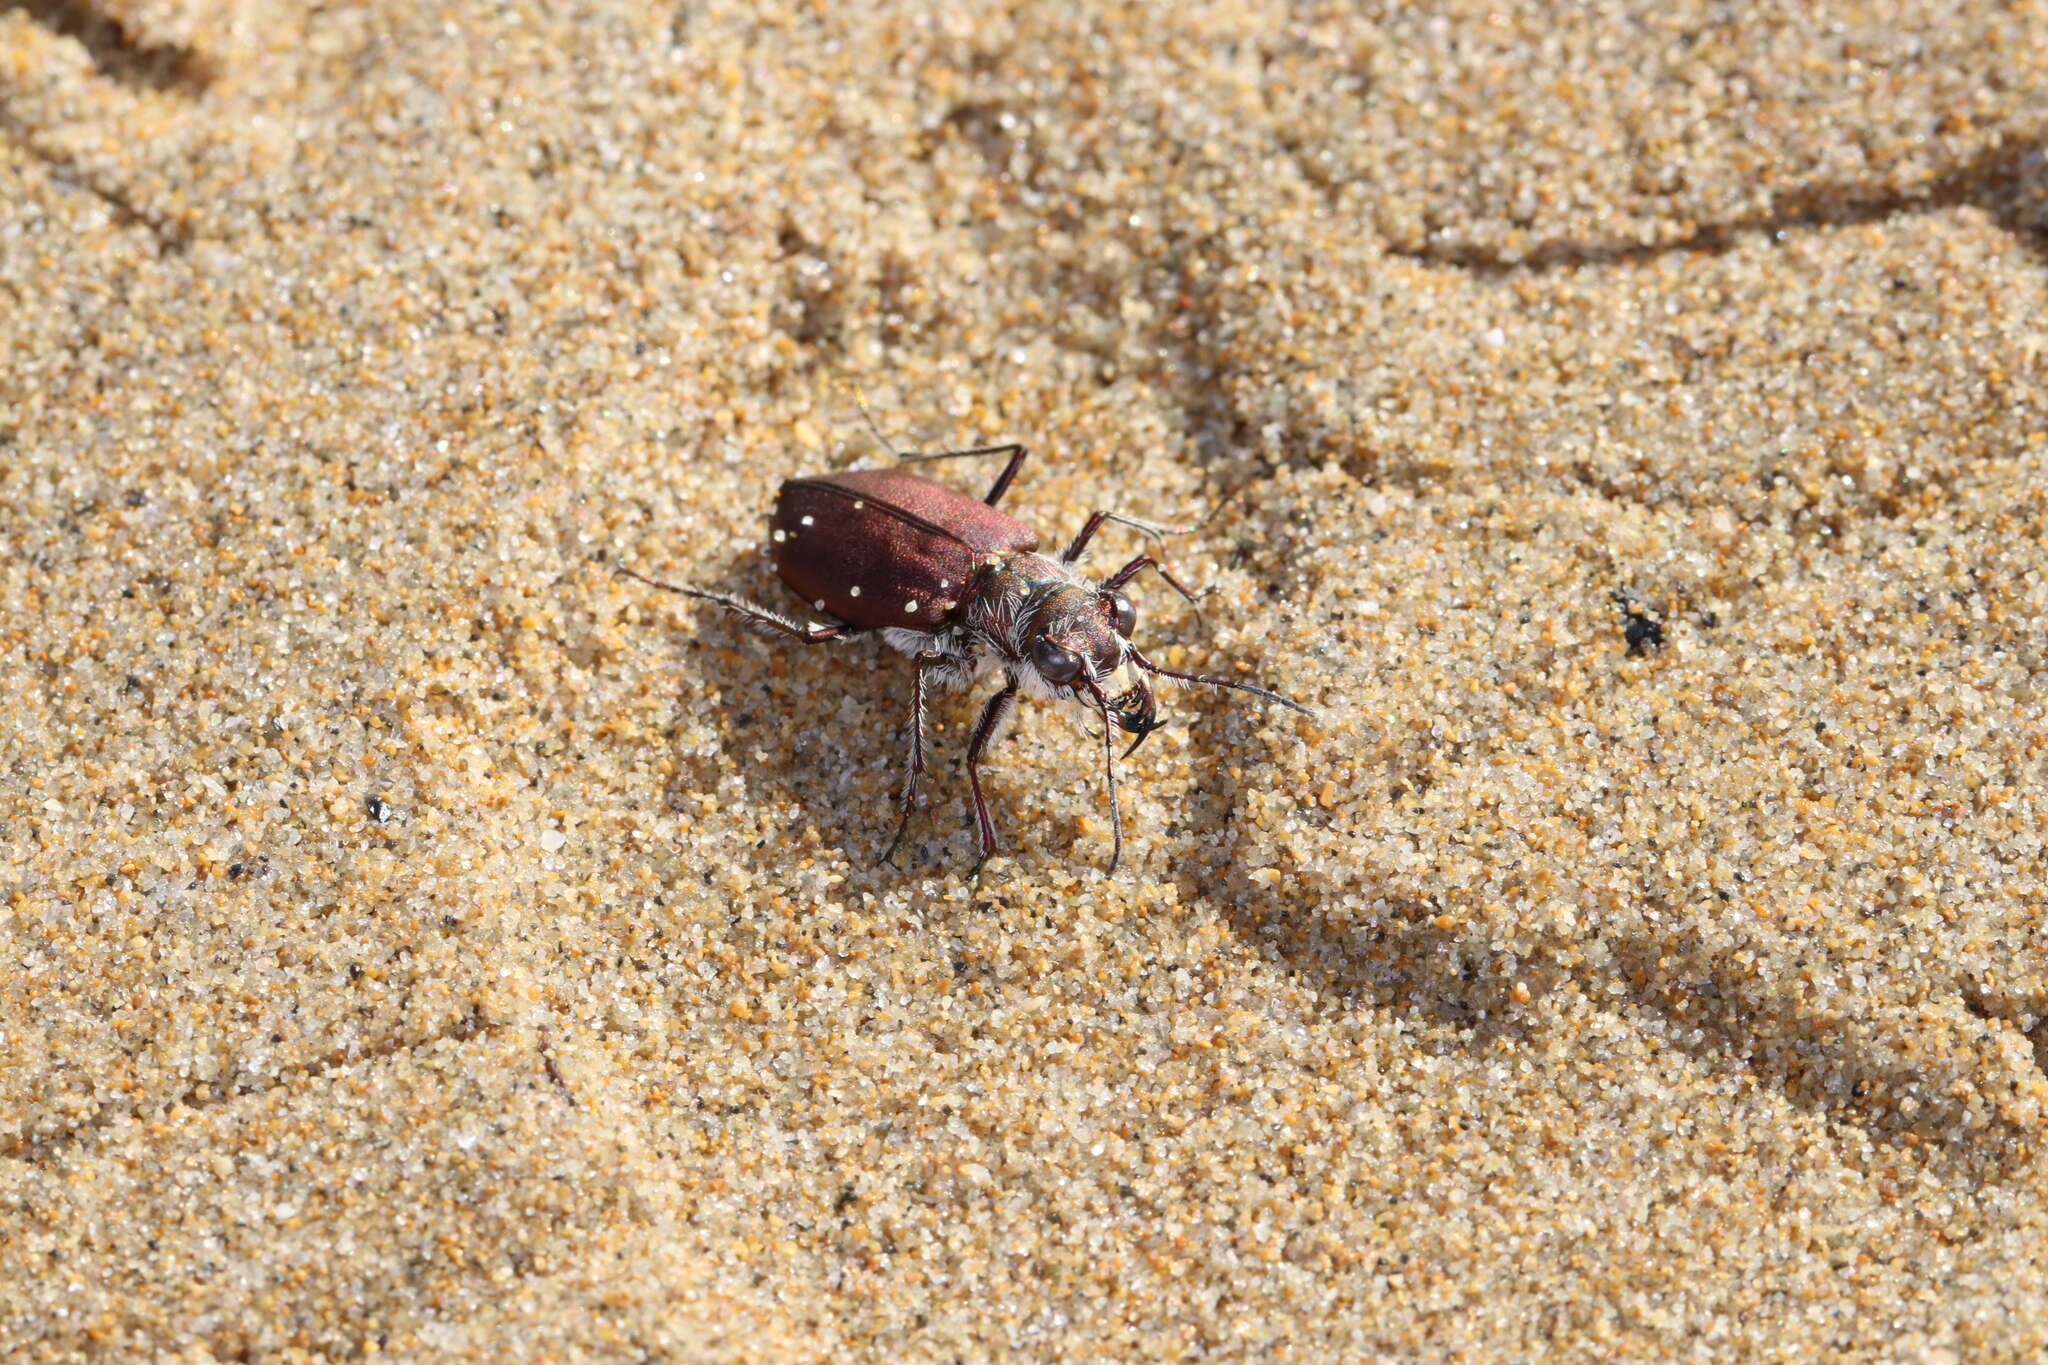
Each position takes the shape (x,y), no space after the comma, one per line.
(958,585)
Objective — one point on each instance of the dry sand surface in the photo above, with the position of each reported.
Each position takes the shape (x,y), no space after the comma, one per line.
(417,940)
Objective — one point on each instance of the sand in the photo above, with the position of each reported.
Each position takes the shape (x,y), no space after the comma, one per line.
(1622,424)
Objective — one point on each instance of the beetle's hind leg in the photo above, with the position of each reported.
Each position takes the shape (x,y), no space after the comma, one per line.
(808,632)
(1013,449)
(996,490)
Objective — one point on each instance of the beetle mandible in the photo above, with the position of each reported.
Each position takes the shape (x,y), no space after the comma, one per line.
(959,585)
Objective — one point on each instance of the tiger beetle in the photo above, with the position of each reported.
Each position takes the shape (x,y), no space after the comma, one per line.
(957,584)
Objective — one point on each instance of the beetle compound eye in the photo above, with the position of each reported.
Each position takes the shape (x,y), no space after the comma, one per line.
(1123,613)
(1054,664)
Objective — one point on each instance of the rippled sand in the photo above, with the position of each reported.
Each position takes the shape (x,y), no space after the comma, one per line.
(1626,429)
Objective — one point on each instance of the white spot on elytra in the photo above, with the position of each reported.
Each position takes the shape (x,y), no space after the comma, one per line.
(858,504)
(944,584)
(910,606)
(853,592)
(780,535)
(807,521)
(819,604)
(947,606)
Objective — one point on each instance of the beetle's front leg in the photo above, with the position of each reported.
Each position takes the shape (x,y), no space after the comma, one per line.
(1150,529)
(985,731)
(1144,562)
(926,663)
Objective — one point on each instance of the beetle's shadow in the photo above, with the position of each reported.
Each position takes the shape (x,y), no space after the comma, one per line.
(818,733)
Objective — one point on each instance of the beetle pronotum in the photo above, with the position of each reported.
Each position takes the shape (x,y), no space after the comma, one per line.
(957,584)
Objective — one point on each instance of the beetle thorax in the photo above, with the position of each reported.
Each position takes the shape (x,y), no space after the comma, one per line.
(1007,596)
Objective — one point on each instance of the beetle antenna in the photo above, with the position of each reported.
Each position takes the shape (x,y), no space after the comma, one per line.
(1208,681)
(862,399)
(1116,815)
(1228,498)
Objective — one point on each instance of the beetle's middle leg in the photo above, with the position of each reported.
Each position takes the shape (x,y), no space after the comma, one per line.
(809,632)
(926,663)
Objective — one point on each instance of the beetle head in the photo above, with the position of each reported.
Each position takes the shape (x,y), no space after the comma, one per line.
(1078,637)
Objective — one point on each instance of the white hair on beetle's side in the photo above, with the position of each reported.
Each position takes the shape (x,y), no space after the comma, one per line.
(911,642)
(961,661)
(1033,683)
